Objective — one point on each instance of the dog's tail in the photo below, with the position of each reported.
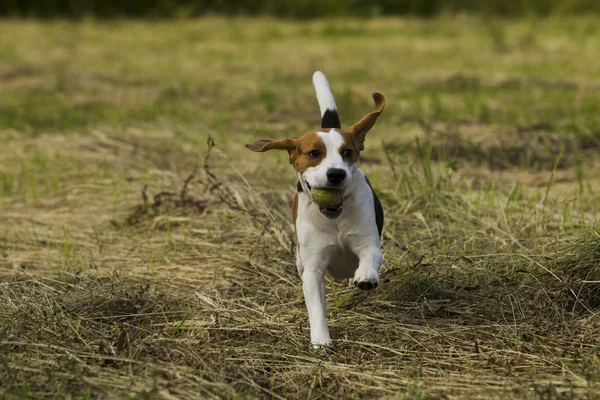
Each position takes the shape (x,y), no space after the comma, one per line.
(329,114)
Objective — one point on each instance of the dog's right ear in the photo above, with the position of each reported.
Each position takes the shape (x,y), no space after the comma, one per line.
(359,130)
(291,145)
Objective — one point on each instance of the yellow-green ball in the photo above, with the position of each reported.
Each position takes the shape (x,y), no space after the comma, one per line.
(326,197)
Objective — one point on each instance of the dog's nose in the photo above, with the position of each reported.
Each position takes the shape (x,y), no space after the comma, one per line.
(335,175)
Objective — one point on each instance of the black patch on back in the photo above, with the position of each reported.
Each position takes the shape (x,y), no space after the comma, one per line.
(331,119)
(378,212)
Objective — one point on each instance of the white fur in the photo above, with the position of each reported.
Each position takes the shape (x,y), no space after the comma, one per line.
(345,247)
(316,177)
(324,94)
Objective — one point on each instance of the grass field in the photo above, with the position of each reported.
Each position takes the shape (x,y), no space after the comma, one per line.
(144,252)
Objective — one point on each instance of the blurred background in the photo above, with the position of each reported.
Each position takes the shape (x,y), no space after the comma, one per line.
(291,8)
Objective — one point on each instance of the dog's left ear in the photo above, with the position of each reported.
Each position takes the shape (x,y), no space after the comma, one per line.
(284,144)
(359,130)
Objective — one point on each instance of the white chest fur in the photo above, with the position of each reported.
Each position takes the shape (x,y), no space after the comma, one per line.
(336,241)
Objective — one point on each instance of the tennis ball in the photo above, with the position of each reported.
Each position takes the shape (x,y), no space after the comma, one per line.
(326,197)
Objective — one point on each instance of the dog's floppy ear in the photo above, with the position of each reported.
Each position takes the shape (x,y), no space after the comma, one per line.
(359,130)
(262,145)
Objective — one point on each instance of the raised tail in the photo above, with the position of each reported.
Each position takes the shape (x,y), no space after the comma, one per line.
(329,113)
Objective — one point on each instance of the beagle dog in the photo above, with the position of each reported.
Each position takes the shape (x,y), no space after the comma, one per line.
(342,241)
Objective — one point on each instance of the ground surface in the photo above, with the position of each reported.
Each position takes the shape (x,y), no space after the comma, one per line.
(137,259)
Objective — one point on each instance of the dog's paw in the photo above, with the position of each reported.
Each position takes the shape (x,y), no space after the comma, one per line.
(366,279)
(322,342)
(321,346)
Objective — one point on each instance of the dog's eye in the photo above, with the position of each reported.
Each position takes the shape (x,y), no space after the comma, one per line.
(314,153)
(346,153)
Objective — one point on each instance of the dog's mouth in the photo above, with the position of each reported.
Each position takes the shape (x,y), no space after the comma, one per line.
(332,212)
(329,212)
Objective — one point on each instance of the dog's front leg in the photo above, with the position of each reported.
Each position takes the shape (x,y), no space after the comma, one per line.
(366,276)
(313,286)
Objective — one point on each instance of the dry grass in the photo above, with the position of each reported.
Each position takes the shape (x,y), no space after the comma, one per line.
(492,255)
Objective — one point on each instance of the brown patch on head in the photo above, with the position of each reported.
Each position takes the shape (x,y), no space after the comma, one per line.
(350,150)
(311,142)
(310,151)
